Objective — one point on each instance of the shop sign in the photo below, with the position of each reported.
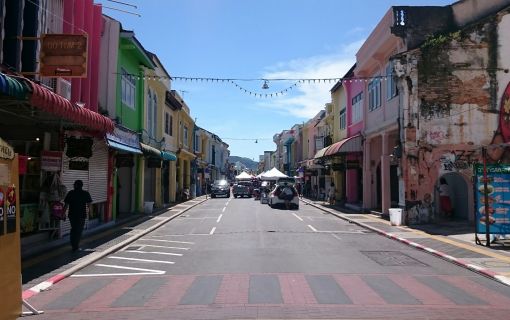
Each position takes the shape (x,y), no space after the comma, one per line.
(5,174)
(497,196)
(124,160)
(78,165)
(2,210)
(6,151)
(51,161)
(124,137)
(63,55)
(153,162)
(10,209)
(352,164)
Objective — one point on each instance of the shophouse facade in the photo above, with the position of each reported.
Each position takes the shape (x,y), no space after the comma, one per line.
(185,154)
(454,95)
(51,121)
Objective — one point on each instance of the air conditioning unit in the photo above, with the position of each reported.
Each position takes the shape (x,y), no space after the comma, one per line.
(63,88)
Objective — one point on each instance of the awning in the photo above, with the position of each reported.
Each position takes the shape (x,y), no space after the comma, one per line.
(321,153)
(122,147)
(348,145)
(167,155)
(12,87)
(150,151)
(185,153)
(51,102)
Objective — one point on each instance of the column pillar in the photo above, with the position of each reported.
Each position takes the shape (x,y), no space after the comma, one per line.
(385,175)
(367,176)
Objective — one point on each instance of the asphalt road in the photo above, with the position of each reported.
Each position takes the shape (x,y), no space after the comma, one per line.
(239,259)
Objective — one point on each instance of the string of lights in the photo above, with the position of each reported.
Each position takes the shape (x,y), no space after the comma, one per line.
(266,81)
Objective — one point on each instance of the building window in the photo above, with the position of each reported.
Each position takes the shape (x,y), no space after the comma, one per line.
(343,122)
(357,108)
(128,89)
(185,136)
(171,125)
(152,101)
(374,94)
(197,142)
(391,84)
(167,124)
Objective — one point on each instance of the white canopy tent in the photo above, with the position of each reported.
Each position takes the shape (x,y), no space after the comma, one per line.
(244,176)
(273,174)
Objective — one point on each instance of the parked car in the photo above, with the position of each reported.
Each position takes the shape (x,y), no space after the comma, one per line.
(242,188)
(220,188)
(277,196)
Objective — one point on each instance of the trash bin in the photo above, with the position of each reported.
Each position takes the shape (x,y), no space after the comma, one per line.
(148,206)
(395,216)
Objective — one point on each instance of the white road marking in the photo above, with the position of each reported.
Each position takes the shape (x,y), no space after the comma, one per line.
(115,274)
(130,268)
(156,252)
(166,241)
(212,230)
(313,229)
(142,260)
(223,210)
(295,215)
(219,218)
(335,236)
(155,246)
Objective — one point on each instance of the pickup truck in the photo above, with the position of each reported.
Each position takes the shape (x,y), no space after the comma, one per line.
(242,188)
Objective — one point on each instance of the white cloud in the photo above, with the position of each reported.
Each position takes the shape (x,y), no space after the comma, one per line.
(306,99)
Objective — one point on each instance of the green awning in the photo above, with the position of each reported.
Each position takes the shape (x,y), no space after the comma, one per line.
(167,155)
(12,87)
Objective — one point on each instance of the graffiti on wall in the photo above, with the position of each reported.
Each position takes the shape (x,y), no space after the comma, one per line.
(426,164)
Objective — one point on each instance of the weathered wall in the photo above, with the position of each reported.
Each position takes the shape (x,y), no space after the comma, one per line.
(455,87)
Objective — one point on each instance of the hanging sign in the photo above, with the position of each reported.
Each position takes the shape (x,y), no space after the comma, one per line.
(10,208)
(2,210)
(498,198)
(63,55)
(51,161)
(6,151)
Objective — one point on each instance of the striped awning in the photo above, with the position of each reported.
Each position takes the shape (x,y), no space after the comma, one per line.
(150,151)
(347,145)
(10,86)
(321,153)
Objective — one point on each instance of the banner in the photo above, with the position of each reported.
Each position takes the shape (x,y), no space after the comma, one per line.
(498,198)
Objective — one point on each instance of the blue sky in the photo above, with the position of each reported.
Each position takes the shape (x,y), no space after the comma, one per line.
(254,39)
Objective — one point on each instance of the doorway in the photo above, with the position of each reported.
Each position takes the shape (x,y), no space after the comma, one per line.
(458,195)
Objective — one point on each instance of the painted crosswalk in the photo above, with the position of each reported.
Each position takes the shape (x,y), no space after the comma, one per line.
(273,289)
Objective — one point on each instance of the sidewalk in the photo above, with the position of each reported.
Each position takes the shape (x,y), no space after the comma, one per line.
(138,227)
(451,240)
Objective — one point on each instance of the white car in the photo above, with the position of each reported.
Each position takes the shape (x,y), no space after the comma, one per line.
(276,197)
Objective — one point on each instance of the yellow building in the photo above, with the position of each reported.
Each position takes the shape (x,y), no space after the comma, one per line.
(185,151)
(339,109)
(159,162)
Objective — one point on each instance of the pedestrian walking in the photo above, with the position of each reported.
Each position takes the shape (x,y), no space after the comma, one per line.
(78,201)
(332,192)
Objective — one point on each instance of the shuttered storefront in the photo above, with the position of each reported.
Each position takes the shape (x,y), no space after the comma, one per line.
(94,174)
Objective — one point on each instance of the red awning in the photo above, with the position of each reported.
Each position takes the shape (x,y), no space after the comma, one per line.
(51,102)
(351,144)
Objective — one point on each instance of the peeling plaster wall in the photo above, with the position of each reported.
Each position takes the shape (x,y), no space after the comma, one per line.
(449,93)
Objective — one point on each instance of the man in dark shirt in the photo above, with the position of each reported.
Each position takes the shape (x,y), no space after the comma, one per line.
(78,201)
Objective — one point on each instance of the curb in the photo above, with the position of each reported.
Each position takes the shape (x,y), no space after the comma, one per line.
(26,294)
(480,270)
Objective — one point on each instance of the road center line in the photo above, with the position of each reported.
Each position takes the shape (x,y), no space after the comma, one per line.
(223,210)
(295,215)
(212,230)
(219,218)
(142,260)
(313,229)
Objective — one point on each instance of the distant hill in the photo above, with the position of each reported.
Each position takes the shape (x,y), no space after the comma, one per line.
(247,162)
